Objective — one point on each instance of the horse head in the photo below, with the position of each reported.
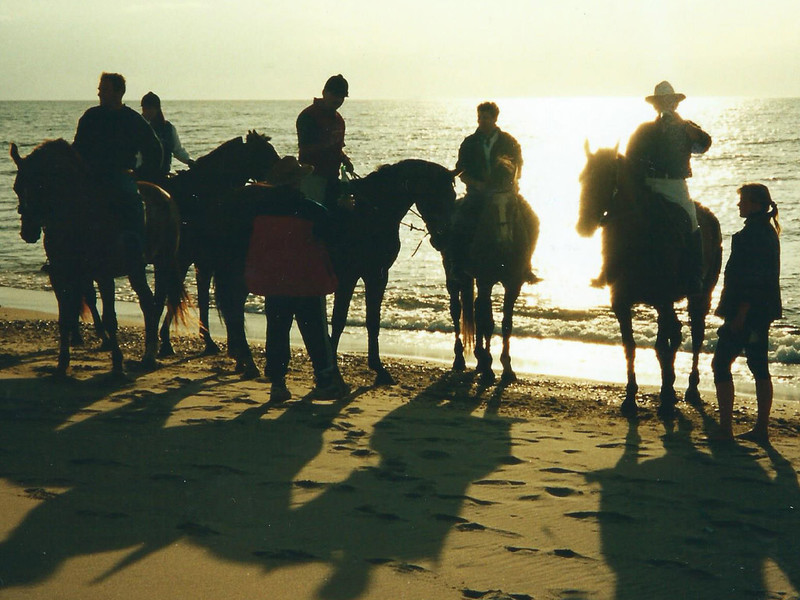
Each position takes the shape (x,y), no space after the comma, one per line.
(432,188)
(598,187)
(45,178)
(261,155)
(29,210)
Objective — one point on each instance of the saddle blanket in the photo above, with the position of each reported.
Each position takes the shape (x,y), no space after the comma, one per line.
(285,258)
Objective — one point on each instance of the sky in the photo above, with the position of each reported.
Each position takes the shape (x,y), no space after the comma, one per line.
(409,49)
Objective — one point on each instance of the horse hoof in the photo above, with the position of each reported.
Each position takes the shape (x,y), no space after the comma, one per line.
(383,377)
(211,349)
(149,363)
(459,364)
(166,350)
(105,346)
(692,396)
(488,377)
(628,409)
(508,377)
(666,410)
(250,372)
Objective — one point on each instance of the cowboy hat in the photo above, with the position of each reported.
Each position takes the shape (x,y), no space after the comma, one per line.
(664,91)
(287,171)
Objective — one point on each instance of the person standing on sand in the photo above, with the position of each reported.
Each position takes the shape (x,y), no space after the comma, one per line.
(166,132)
(320,141)
(287,262)
(108,138)
(750,301)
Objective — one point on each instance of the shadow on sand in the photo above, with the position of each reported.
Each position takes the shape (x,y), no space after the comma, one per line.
(123,478)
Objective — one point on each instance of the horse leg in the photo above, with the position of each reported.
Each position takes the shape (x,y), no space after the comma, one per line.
(69,306)
(698,307)
(668,340)
(203,276)
(90,296)
(453,290)
(231,297)
(484,328)
(509,299)
(623,314)
(138,280)
(106,287)
(341,306)
(374,289)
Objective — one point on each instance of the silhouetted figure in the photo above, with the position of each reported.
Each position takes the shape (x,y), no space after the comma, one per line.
(484,159)
(108,138)
(658,154)
(750,301)
(167,135)
(289,264)
(320,141)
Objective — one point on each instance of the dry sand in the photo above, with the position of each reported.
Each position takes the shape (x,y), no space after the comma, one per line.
(185,483)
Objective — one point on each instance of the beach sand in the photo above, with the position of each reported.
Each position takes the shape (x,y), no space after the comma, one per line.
(185,482)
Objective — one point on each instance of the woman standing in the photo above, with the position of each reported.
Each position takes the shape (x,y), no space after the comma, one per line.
(750,301)
(166,132)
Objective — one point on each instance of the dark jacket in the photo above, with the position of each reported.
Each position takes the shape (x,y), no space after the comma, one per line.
(472,158)
(752,273)
(662,148)
(108,140)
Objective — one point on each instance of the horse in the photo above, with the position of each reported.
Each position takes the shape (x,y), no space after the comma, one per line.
(504,240)
(641,244)
(58,197)
(366,245)
(197,192)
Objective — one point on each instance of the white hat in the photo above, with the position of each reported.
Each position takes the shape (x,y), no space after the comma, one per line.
(664,91)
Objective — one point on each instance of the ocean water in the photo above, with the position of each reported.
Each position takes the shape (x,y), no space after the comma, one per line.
(562,325)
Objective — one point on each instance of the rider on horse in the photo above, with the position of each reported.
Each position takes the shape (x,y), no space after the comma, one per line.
(489,163)
(108,138)
(658,153)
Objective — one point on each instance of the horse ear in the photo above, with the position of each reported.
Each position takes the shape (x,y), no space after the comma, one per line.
(616,148)
(14,152)
(586,148)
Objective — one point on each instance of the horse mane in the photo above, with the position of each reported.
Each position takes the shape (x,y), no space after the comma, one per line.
(50,152)
(219,158)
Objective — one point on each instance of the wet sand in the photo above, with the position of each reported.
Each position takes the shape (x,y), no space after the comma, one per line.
(185,482)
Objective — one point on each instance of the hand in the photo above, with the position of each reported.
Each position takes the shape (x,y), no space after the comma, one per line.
(348,164)
(347,203)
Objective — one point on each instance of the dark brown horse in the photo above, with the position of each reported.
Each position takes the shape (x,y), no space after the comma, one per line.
(81,239)
(368,242)
(505,238)
(642,249)
(198,193)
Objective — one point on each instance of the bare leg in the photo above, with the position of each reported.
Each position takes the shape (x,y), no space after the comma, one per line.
(725,393)
(760,432)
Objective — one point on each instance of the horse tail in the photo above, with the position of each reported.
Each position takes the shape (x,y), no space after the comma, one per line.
(468,314)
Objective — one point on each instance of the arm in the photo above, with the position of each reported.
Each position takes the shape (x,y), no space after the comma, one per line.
(701,141)
(178,151)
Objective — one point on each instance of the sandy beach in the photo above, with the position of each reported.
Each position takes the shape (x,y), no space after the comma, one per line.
(185,482)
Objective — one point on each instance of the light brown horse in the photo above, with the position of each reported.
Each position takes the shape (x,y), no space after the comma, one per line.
(81,239)
(642,248)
